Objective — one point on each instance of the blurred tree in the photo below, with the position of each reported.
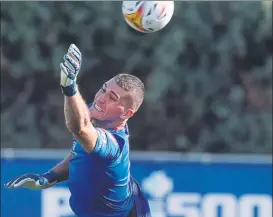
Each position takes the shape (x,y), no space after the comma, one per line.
(208,74)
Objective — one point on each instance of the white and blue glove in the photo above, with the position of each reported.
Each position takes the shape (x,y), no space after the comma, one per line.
(33,181)
(70,69)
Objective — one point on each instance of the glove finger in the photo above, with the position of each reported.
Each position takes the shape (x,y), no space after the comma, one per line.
(9,184)
(74,54)
(70,68)
(22,182)
(73,47)
(77,55)
(70,74)
(26,176)
(73,61)
(64,69)
(66,59)
(29,175)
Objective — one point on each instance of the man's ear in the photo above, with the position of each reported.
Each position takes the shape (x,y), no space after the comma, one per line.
(129,113)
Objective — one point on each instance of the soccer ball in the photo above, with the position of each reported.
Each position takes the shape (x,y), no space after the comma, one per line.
(147,16)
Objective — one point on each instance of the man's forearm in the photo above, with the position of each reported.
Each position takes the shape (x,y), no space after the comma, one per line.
(76,113)
(61,170)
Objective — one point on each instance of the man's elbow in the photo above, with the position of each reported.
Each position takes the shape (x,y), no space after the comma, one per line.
(73,128)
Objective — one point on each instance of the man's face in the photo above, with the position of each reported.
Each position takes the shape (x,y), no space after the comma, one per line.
(111,103)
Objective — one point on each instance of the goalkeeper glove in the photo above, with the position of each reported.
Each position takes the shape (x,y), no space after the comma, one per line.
(33,181)
(70,69)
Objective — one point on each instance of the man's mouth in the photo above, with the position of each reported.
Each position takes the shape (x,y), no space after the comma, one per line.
(97,107)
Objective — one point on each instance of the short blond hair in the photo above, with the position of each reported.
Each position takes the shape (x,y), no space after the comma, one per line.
(134,86)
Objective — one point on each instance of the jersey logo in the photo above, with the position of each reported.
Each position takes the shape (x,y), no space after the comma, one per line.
(73,151)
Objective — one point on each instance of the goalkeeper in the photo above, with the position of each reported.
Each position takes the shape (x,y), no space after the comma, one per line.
(98,168)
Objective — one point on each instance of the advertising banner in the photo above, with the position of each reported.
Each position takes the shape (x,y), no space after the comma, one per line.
(174,188)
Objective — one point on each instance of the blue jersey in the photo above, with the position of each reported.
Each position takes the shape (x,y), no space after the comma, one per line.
(99,182)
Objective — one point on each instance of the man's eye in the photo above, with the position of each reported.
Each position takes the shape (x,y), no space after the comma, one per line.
(114,99)
(103,90)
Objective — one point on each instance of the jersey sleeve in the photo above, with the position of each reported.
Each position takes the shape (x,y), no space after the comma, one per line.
(106,147)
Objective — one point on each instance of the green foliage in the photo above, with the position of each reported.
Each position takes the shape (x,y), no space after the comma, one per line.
(208,73)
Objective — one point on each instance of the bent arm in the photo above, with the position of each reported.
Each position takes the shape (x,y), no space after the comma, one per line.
(78,121)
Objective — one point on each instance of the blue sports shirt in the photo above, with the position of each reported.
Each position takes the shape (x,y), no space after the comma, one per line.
(99,182)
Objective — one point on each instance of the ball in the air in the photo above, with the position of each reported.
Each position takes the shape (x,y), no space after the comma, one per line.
(147,16)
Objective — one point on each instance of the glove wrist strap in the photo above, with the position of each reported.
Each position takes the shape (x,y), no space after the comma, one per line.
(69,90)
(51,176)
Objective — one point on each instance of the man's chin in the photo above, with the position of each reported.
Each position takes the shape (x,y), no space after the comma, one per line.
(96,115)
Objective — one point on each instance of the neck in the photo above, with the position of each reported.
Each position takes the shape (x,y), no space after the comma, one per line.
(109,124)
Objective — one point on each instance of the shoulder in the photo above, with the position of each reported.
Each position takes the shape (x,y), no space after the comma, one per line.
(106,136)
(121,136)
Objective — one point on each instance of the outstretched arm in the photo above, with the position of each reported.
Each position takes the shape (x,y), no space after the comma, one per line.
(33,181)
(75,109)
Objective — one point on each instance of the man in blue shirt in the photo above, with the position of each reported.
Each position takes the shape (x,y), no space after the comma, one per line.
(98,167)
